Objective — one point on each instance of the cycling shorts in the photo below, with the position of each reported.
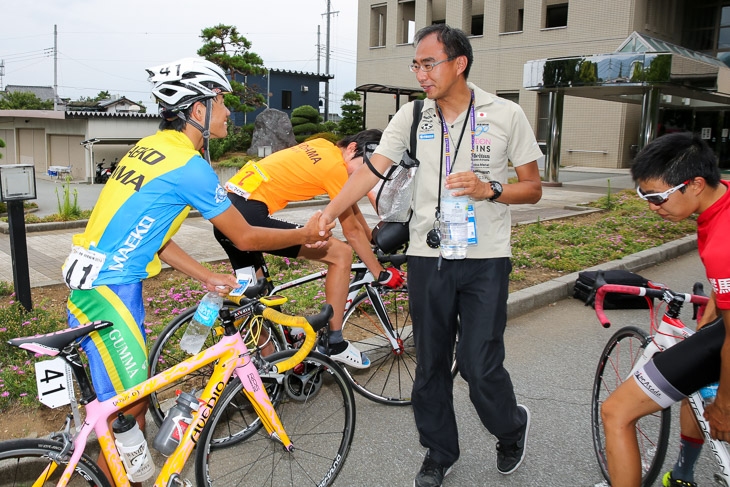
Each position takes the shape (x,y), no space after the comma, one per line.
(256,214)
(691,364)
(118,354)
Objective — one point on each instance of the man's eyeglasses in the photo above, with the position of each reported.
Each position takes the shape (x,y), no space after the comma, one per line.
(426,67)
(660,198)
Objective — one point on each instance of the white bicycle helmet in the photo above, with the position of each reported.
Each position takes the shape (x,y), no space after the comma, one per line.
(179,84)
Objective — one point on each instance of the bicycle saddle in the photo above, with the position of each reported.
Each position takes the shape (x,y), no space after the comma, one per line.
(52,343)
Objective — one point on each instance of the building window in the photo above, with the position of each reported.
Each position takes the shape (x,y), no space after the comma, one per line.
(406,21)
(378,25)
(543,111)
(285,100)
(473,17)
(436,12)
(556,15)
(513,96)
(512,15)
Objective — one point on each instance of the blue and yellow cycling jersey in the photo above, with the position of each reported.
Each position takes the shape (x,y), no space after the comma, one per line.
(144,203)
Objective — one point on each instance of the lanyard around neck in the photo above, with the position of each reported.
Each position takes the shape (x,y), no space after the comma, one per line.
(445,142)
(445,136)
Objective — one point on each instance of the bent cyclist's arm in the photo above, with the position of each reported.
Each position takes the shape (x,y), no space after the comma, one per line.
(718,413)
(174,256)
(357,186)
(358,240)
(363,223)
(247,237)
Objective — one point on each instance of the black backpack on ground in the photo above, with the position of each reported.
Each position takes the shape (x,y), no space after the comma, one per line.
(583,289)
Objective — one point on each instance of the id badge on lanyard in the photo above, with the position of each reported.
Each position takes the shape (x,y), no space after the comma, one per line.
(472,228)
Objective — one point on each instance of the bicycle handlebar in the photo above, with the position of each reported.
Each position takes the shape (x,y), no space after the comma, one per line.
(310,325)
(664,294)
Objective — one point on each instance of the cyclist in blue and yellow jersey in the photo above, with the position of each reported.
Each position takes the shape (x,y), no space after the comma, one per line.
(142,206)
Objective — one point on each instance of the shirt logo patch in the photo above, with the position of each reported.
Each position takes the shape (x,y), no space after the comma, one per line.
(482,114)
(426,136)
(220,194)
(720,286)
(481,128)
(426,126)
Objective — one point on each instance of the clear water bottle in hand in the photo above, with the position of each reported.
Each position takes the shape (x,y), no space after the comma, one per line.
(454,225)
(199,328)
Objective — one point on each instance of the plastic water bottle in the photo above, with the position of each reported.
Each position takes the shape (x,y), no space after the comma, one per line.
(199,328)
(176,423)
(708,393)
(133,448)
(454,225)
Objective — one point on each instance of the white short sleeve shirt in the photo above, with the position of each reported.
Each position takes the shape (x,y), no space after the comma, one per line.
(502,134)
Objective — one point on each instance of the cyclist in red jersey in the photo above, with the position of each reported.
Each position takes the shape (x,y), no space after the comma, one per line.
(678,176)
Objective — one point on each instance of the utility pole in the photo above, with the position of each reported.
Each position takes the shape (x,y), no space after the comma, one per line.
(327,64)
(319,48)
(55,67)
(2,73)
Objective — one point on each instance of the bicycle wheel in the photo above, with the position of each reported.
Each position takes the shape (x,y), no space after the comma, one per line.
(389,379)
(317,409)
(22,462)
(167,353)
(652,431)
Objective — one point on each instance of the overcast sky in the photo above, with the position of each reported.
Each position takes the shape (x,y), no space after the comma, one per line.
(106,44)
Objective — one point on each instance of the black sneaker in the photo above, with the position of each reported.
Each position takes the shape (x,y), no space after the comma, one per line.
(431,474)
(510,456)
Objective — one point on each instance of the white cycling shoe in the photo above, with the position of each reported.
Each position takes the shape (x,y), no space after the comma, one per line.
(352,357)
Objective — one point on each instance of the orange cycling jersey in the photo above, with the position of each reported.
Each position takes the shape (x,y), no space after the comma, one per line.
(296,174)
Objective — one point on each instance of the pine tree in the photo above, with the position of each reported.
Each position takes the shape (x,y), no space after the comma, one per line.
(351,122)
(231,51)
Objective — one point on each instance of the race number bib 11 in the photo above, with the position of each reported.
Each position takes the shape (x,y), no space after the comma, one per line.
(82,267)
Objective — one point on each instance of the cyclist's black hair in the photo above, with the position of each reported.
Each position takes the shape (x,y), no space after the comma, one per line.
(171,121)
(362,139)
(675,158)
(455,42)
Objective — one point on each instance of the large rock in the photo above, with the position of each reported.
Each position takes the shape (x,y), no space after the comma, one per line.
(272,128)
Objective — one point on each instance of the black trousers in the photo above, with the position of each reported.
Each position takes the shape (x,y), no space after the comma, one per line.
(476,291)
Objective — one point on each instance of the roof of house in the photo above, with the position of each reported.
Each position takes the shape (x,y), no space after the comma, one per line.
(43,92)
(87,114)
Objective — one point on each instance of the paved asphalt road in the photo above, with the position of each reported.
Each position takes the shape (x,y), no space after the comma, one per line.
(552,355)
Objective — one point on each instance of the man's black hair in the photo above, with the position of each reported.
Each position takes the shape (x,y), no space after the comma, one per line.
(362,139)
(454,40)
(675,158)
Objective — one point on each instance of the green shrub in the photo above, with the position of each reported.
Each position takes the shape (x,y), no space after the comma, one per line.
(66,210)
(17,375)
(6,288)
(325,135)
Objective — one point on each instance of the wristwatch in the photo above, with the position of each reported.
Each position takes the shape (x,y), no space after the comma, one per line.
(496,188)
